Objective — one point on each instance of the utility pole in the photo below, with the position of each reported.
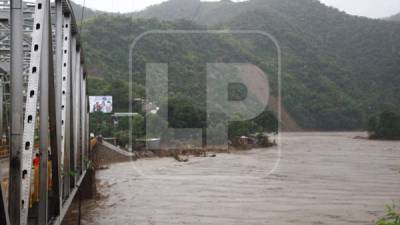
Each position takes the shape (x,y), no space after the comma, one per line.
(16,71)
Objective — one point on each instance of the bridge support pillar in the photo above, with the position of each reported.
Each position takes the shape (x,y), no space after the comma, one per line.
(88,186)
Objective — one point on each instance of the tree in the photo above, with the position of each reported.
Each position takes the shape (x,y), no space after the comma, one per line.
(385,125)
(184,113)
(267,121)
(242,128)
(101,124)
(138,126)
(155,126)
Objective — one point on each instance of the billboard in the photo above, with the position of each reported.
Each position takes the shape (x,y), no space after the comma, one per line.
(101,104)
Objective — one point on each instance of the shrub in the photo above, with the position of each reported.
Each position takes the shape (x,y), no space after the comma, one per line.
(392,217)
(385,125)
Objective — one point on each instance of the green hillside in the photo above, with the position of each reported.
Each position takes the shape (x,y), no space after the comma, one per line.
(395,18)
(337,68)
(207,13)
(87,12)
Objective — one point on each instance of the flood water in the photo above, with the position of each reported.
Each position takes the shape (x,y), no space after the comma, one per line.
(321,178)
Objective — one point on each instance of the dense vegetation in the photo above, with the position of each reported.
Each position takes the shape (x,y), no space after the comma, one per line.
(187,100)
(395,17)
(392,217)
(337,69)
(385,125)
(84,13)
(105,125)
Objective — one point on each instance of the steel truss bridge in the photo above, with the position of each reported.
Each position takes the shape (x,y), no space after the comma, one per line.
(43,80)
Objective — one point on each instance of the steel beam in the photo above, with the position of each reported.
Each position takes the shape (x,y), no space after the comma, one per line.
(1,108)
(55,111)
(66,105)
(44,115)
(82,115)
(87,130)
(72,113)
(76,78)
(17,57)
(59,44)
(31,112)
(63,109)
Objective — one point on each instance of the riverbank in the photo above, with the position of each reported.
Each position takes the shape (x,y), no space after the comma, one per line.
(108,153)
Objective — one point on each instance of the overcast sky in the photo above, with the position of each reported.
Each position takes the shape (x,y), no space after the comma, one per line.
(368,8)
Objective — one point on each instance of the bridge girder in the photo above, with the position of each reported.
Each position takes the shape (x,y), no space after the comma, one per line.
(58,90)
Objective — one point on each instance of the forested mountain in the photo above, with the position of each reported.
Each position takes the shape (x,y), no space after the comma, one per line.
(336,68)
(395,17)
(208,13)
(87,12)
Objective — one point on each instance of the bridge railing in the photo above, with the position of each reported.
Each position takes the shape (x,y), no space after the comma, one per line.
(56,111)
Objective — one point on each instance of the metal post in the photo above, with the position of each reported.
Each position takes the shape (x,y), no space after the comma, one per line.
(27,146)
(17,58)
(66,104)
(55,110)
(83,124)
(1,108)
(73,110)
(44,115)
(87,130)
(76,117)
(59,43)
(81,141)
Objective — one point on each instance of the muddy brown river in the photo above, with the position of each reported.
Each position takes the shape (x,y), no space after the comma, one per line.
(317,178)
